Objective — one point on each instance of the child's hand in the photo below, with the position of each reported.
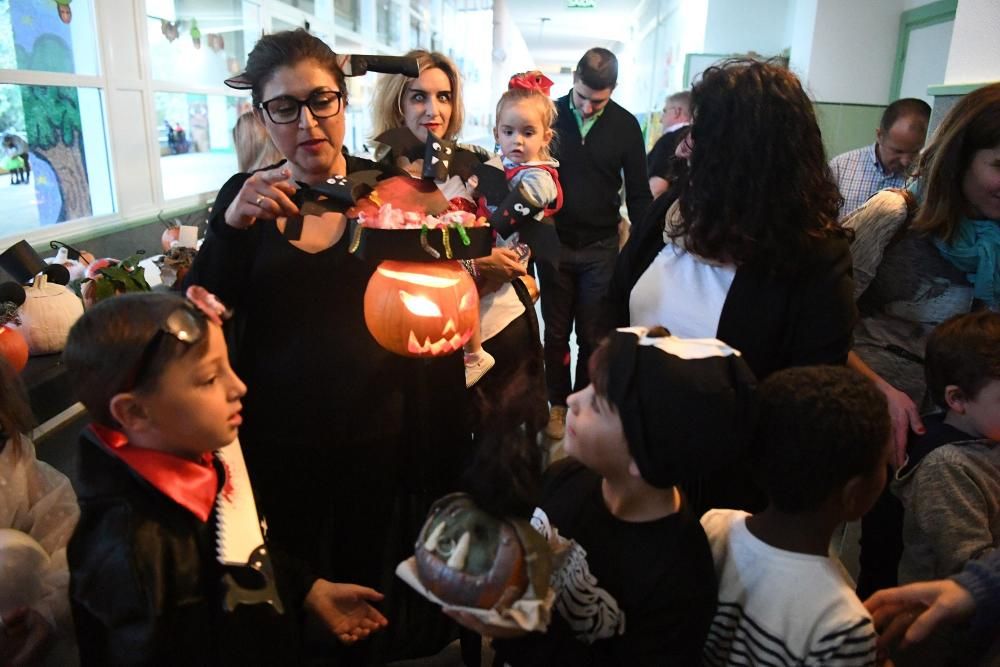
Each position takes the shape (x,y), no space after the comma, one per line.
(344,609)
(471,622)
(24,638)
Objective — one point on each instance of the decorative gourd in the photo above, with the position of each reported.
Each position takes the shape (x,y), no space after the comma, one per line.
(469,558)
(48,313)
(13,348)
(421,309)
(108,277)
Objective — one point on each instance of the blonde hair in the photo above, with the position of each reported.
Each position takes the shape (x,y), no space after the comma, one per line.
(387,105)
(546,108)
(254,148)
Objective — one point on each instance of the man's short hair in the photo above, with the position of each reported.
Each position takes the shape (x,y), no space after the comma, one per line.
(818,427)
(963,351)
(905,108)
(597,69)
(681,99)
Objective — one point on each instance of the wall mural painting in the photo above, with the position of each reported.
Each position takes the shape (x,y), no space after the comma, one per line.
(52,114)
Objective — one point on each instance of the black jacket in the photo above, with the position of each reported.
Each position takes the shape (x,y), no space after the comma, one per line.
(775,320)
(590,172)
(145,585)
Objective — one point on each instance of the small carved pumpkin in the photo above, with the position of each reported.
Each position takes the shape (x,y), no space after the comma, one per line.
(469,558)
(48,313)
(13,348)
(421,309)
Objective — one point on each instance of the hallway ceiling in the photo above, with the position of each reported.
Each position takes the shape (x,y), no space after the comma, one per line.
(560,41)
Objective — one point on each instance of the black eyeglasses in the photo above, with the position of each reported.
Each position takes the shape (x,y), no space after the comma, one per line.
(287,109)
(184,324)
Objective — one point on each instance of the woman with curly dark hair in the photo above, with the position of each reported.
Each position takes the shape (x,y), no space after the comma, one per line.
(749,250)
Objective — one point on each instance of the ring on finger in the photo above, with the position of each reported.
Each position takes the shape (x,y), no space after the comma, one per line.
(258,201)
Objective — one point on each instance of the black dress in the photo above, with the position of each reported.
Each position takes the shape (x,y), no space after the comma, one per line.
(347,444)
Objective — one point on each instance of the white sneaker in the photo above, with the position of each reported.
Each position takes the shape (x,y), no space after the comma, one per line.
(476,366)
(556,429)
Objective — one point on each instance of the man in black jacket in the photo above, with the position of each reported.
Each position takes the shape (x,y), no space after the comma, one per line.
(597,142)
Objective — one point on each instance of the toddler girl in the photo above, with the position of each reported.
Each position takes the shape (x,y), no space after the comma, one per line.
(525,118)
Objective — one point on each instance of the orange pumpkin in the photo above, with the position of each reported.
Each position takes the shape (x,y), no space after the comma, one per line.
(421,309)
(13,348)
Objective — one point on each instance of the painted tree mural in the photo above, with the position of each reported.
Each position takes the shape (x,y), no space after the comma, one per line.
(51,113)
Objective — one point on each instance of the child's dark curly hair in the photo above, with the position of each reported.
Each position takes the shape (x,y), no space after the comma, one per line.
(819,427)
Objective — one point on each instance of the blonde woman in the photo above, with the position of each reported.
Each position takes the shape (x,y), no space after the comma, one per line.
(254,148)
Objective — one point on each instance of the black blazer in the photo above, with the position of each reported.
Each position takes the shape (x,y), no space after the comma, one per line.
(776,321)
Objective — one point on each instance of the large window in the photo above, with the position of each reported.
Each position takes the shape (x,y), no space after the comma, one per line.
(194,135)
(54,164)
(100,122)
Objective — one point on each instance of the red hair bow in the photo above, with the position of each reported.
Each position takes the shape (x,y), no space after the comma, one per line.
(533,80)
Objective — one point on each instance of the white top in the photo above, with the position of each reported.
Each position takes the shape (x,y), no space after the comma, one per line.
(38,512)
(681,292)
(780,607)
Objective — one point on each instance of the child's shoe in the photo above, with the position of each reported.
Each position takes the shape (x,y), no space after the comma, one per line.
(476,365)
(556,429)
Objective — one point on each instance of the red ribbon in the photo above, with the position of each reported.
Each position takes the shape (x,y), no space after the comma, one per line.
(533,80)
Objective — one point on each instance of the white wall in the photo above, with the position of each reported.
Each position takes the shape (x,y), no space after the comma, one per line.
(853,49)
(736,26)
(975,47)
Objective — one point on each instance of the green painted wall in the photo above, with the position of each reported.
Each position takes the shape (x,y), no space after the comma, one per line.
(847,126)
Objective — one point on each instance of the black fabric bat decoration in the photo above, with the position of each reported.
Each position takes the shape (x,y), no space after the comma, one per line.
(438,154)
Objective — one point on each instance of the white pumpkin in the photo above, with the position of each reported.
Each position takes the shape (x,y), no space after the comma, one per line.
(48,313)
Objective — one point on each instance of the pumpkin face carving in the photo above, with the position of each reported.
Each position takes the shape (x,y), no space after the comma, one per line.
(469,558)
(421,309)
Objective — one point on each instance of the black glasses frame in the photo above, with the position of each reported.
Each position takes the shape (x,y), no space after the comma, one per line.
(184,323)
(308,102)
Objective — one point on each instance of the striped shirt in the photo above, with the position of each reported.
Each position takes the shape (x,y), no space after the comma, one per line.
(859,175)
(781,608)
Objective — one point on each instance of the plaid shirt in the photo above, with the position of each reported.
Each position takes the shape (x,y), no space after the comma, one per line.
(859,175)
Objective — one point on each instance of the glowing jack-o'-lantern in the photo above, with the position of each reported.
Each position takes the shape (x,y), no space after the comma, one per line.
(421,309)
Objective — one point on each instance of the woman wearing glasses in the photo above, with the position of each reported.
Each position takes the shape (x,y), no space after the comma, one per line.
(344,459)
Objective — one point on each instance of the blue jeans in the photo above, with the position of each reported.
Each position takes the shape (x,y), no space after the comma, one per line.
(573,293)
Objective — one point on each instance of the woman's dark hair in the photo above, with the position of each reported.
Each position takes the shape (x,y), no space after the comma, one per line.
(972,125)
(287,49)
(963,351)
(15,411)
(107,343)
(758,185)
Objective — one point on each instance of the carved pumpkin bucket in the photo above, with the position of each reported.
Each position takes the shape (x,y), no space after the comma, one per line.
(469,558)
(421,309)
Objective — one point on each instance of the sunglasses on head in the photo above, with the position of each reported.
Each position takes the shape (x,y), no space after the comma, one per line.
(184,323)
